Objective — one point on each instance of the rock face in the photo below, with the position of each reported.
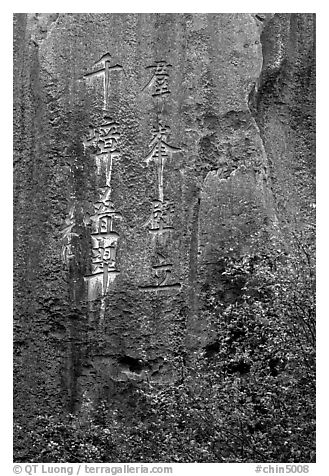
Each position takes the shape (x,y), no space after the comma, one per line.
(148,147)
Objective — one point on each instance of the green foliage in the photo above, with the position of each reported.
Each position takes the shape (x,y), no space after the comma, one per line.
(248,397)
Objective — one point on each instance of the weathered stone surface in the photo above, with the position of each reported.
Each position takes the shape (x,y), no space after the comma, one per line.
(236,92)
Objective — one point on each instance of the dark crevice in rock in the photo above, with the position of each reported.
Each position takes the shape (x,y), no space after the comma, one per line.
(211,349)
(134,365)
(242,367)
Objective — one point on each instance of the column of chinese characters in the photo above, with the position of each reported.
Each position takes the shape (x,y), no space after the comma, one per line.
(104,245)
(159,223)
(104,141)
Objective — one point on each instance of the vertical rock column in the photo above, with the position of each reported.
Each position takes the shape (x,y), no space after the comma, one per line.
(139,167)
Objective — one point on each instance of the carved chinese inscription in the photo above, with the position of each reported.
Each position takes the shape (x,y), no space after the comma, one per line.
(162,276)
(104,140)
(160,221)
(105,137)
(159,152)
(103,68)
(104,243)
(159,79)
(104,246)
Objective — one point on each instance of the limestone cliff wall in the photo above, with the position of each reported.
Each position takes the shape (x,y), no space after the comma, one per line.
(147,148)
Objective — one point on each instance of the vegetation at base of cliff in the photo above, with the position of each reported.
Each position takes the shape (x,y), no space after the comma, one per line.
(249,397)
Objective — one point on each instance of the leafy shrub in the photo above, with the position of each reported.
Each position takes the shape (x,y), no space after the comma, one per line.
(249,396)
